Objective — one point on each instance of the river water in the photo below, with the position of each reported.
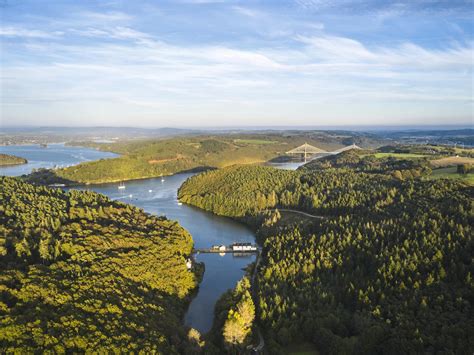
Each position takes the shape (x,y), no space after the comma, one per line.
(55,155)
(159,197)
(222,272)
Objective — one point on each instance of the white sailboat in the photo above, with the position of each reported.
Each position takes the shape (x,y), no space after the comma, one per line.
(121,186)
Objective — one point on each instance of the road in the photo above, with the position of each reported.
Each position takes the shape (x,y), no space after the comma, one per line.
(259,348)
(296,211)
(261,342)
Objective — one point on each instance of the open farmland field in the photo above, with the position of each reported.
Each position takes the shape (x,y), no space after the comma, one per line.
(451,173)
(451,161)
(400,155)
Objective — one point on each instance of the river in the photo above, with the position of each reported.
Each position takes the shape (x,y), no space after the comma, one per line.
(159,197)
(53,155)
(222,272)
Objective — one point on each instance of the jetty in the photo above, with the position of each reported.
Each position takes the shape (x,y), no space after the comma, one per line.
(233,248)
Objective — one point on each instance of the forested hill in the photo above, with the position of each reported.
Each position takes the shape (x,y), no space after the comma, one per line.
(389,269)
(79,272)
(7,159)
(152,158)
(367,161)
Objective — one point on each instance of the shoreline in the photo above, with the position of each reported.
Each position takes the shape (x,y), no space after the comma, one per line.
(198,169)
(190,171)
(12,164)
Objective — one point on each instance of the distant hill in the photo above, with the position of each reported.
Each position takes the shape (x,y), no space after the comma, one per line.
(448,137)
(155,157)
(96,132)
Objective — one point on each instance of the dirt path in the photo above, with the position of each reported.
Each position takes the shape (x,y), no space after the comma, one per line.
(296,211)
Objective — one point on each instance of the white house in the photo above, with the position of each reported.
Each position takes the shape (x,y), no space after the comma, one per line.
(243,247)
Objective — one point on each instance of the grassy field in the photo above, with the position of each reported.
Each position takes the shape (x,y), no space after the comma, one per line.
(451,161)
(464,150)
(451,173)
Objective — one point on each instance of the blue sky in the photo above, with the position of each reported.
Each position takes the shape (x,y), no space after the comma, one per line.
(229,63)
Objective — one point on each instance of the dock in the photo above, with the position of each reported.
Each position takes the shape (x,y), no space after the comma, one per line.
(226,250)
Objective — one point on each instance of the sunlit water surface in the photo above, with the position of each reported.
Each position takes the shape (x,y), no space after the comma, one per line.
(54,155)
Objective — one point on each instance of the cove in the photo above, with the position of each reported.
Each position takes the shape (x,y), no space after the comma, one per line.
(159,196)
(222,272)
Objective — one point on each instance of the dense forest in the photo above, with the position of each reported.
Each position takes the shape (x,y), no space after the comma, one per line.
(365,161)
(152,158)
(388,268)
(82,273)
(404,162)
(233,329)
(7,159)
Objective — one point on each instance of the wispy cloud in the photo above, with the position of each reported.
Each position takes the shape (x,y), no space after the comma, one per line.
(247,11)
(272,65)
(346,50)
(111,16)
(117,32)
(27,33)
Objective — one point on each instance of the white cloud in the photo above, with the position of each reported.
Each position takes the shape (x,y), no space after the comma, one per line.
(407,55)
(124,72)
(27,33)
(246,11)
(105,17)
(316,25)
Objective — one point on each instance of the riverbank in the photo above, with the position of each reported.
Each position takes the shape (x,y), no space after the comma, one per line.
(221,272)
(316,281)
(159,197)
(99,264)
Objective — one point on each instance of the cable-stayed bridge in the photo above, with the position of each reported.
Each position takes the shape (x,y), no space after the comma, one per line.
(307,151)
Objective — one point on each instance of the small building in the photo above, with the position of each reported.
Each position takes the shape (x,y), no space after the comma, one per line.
(189,263)
(243,247)
(219,247)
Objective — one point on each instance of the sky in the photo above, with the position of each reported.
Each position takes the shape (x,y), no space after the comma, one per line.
(198,63)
